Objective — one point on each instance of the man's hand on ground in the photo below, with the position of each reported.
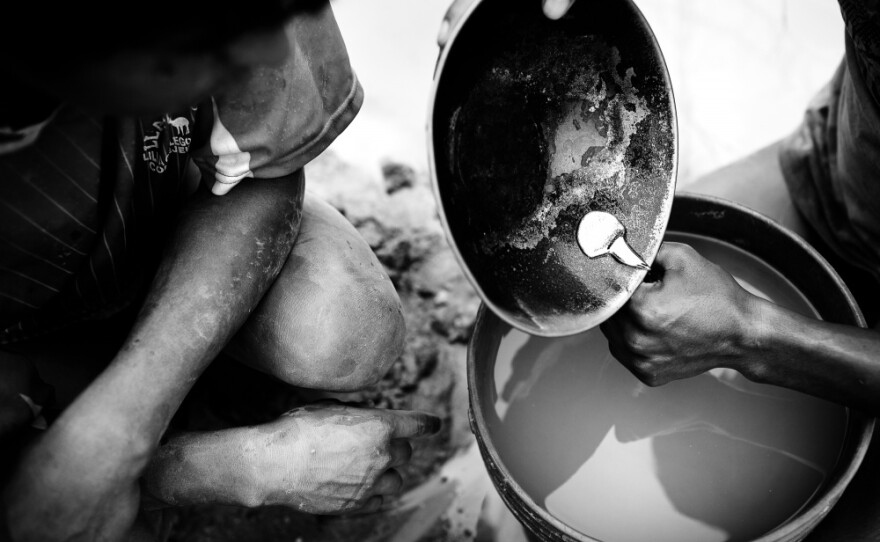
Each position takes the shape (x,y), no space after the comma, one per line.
(325,458)
(345,458)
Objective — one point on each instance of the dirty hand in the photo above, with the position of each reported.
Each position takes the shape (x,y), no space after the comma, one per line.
(332,458)
(553,9)
(694,318)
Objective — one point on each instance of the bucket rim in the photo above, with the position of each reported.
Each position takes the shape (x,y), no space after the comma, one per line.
(796,527)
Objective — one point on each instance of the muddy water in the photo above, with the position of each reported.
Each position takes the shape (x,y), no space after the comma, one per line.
(712,458)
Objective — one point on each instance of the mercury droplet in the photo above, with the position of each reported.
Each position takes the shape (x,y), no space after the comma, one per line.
(600,233)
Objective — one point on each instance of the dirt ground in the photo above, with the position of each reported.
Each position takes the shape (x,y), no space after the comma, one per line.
(397,215)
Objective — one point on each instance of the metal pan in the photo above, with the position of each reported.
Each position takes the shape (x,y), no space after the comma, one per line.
(534,124)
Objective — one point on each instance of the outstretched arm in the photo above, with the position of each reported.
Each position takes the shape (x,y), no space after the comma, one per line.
(696,317)
(838,362)
(80,479)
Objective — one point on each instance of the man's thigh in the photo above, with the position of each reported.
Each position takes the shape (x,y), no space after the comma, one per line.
(755,181)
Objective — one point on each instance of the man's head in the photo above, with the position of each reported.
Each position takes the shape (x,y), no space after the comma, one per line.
(143,58)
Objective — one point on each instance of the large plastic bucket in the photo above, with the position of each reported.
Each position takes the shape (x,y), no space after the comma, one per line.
(753,233)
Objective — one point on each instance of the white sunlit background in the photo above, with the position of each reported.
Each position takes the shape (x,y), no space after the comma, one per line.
(742,73)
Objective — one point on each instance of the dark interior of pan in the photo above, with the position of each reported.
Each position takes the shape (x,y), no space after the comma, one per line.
(535,123)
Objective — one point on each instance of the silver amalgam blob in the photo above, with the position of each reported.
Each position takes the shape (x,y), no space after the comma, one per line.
(600,233)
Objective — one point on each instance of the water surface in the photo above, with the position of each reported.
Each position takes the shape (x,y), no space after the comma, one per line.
(712,458)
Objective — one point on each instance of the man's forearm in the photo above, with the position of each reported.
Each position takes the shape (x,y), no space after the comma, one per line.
(223,257)
(226,254)
(837,362)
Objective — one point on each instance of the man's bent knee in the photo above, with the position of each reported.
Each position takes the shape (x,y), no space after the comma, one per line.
(332,320)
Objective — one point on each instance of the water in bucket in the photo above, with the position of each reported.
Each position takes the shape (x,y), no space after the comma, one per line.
(712,458)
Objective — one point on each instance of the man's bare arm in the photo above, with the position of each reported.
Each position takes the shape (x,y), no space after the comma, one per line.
(80,479)
(838,362)
(696,318)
